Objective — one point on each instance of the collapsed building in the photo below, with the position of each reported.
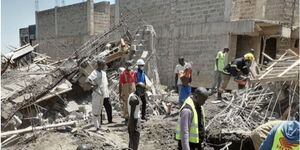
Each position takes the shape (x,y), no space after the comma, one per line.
(193,29)
(160,32)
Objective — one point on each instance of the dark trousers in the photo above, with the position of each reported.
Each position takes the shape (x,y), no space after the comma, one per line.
(193,146)
(134,133)
(108,109)
(143,98)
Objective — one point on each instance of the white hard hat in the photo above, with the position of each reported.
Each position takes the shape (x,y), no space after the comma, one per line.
(140,62)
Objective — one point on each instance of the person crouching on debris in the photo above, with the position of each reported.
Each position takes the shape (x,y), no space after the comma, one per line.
(283,136)
(239,68)
(141,77)
(258,135)
(99,83)
(186,80)
(126,86)
(134,104)
(190,128)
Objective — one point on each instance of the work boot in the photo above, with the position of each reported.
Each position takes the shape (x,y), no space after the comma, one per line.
(219,96)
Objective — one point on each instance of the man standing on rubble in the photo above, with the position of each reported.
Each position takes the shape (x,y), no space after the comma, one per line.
(126,86)
(141,77)
(190,128)
(239,68)
(185,77)
(183,72)
(219,68)
(134,124)
(99,83)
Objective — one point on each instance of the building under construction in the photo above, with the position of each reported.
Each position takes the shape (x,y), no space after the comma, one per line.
(46,101)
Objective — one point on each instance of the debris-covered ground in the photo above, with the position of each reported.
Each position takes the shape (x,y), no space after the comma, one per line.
(46,104)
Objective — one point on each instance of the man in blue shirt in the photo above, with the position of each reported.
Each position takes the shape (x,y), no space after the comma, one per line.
(141,78)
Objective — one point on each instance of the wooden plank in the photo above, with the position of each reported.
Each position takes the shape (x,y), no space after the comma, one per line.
(292,52)
(280,71)
(288,78)
(292,66)
(265,74)
(267,56)
(287,74)
(276,62)
(8,133)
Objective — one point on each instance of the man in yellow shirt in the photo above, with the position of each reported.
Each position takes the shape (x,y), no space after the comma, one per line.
(219,67)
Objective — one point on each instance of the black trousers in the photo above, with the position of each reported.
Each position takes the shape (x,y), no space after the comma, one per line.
(134,133)
(193,146)
(144,102)
(108,109)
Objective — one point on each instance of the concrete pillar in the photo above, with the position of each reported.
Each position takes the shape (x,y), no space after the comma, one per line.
(227,10)
(232,48)
(117,12)
(55,21)
(90,17)
(36,26)
(260,9)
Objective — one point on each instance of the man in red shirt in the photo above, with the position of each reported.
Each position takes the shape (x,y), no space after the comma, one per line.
(126,86)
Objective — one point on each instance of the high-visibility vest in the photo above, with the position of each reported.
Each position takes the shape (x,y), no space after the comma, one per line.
(193,130)
(280,143)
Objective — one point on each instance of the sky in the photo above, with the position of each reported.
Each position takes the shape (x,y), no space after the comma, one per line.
(16,14)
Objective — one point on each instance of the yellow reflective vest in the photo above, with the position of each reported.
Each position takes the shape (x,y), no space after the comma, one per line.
(193,130)
(280,143)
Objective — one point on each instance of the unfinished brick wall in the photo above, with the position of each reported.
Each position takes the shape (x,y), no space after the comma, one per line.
(72,20)
(189,28)
(284,44)
(101,17)
(243,9)
(45,23)
(61,30)
(282,10)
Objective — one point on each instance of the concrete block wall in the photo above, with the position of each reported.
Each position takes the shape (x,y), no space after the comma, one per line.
(277,10)
(60,48)
(101,17)
(45,22)
(189,28)
(72,20)
(61,30)
(243,9)
(282,10)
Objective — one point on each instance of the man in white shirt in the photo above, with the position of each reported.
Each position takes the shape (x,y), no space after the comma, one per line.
(98,80)
(134,105)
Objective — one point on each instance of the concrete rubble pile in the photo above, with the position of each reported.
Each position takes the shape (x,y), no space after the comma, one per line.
(42,101)
(272,94)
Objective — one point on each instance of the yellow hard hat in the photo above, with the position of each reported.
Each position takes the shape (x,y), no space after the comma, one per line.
(249,56)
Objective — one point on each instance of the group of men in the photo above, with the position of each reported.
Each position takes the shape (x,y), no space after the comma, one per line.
(190,127)
(132,90)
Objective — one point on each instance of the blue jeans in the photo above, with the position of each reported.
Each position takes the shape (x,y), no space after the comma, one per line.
(184,93)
